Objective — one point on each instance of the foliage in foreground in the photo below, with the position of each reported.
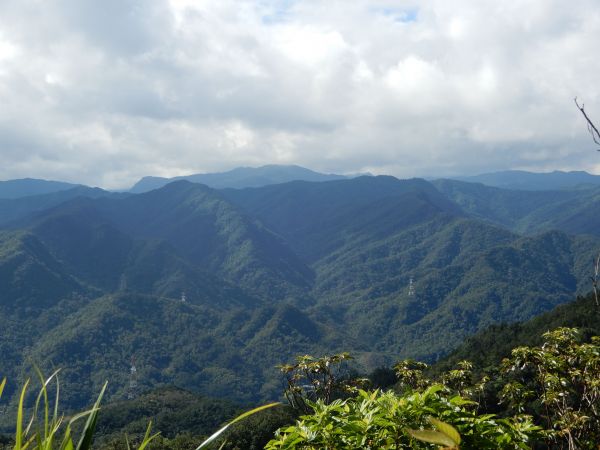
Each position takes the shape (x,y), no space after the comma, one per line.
(549,396)
(383,420)
(47,429)
(561,379)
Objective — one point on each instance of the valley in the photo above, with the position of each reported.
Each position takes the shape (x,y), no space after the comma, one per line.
(209,289)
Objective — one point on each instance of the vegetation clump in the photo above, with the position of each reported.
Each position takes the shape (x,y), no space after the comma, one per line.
(549,395)
(384,420)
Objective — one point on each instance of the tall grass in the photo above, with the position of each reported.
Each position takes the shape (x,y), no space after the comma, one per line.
(47,429)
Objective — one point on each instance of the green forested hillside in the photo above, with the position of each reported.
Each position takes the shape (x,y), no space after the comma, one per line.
(572,211)
(266,273)
(14,209)
(466,276)
(171,410)
(31,278)
(317,218)
(212,233)
(489,346)
(226,353)
(375,235)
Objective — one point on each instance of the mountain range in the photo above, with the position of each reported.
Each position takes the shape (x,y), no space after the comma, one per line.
(532,181)
(31,186)
(209,289)
(240,177)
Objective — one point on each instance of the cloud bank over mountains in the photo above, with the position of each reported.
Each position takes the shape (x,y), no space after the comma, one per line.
(105,92)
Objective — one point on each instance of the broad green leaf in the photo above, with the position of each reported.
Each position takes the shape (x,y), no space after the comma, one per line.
(447,429)
(433,437)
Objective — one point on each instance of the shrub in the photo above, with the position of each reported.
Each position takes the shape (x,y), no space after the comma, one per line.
(383,420)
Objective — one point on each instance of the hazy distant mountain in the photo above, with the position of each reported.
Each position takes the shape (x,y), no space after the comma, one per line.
(192,218)
(31,186)
(241,177)
(531,181)
(317,218)
(12,209)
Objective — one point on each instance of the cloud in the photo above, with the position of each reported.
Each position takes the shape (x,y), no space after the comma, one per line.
(106,92)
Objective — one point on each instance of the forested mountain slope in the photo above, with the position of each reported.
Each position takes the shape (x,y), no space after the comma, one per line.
(317,218)
(489,346)
(366,238)
(266,273)
(14,209)
(572,211)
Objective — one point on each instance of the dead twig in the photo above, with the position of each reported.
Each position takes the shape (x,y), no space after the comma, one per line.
(591,127)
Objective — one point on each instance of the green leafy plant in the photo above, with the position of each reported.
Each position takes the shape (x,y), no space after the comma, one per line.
(410,374)
(311,379)
(560,380)
(385,420)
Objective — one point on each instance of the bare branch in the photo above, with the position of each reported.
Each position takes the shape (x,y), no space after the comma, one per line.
(595,280)
(591,127)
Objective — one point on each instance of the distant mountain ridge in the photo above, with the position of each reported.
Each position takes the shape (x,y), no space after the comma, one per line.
(535,181)
(32,186)
(209,289)
(13,209)
(241,177)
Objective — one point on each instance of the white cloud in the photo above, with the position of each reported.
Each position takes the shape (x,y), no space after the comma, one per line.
(106,92)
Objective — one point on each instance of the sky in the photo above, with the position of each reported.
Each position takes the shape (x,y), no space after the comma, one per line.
(105,92)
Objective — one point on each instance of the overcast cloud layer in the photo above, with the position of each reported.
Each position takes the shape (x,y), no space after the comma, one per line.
(104,92)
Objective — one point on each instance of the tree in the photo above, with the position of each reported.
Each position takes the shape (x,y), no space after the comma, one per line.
(561,378)
(311,379)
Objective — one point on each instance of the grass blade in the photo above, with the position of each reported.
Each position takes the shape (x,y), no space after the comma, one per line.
(237,419)
(147,438)
(19,432)
(56,400)
(2,384)
(85,443)
(28,443)
(44,393)
(67,442)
